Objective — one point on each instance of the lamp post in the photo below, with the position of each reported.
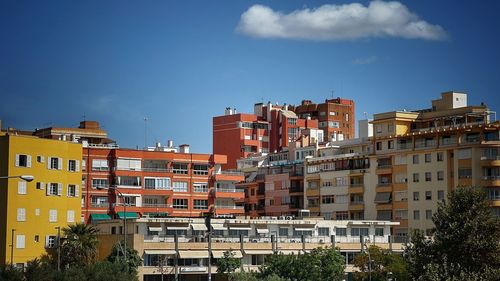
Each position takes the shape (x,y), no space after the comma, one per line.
(28,178)
(124,220)
(369,260)
(12,248)
(58,248)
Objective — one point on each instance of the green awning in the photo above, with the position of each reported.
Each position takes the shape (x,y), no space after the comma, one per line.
(128,215)
(100,217)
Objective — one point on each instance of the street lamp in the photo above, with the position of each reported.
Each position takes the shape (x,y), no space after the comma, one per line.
(369,258)
(28,178)
(124,219)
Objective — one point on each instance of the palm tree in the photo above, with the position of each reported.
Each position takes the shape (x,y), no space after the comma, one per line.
(79,247)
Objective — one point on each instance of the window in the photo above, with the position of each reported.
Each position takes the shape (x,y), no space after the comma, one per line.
(428,214)
(400,196)
(40,159)
(283,231)
(440,175)
(390,127)
(21,214)
(200,204)
(100,183)
(73,190)
(333,124)
(465,153)
(258,259)
(464,173)
(180,168)
(129,181)
(37,212)
(54,163)
(100,165)
(361,231)
(180,203)
(401,214)
(20,239)
(70,215)
(341,231)
(342,215)
(379,145)
(37,238)
(390,144)
(54,188)
(40,185)
(180,186)
(428,195)
(440,194)
(200,169)
(415,159)
(128,164)
(416,196)
(341,199)
(21,187)
(328,199)
(202,187)
(416,215)
(415,177)
(428,176)
(23,160)
(52,215)
(379,128)
(440,157)
(379,231)
(157,183)
(323,231)
(50,241)
(73,165)
(292,121)
(428,158)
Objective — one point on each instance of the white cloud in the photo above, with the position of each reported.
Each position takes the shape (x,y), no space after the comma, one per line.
(339,22)
(368,60)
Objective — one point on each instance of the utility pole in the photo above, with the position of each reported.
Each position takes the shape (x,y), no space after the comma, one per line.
(12,248)
(145,132)
(209,255)
(58,248)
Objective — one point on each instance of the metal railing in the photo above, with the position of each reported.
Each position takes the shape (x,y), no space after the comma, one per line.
(156,205)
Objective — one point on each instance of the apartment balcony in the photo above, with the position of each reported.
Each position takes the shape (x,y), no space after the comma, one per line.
(490,181)
(384,169)
(384,207)
(356,206)
(156,208)
(384,187)
(233,193)
(100,205)
(312,191)
(494,203)
(356,188)
(235,176)
(158,191)
(490,161)
(157,170)
(228,210)
(405,146)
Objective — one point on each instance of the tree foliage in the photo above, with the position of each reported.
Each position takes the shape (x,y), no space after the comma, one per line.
(79,247)
(383,264)
(319,264)
(465,244)
(133,258)
(228,263)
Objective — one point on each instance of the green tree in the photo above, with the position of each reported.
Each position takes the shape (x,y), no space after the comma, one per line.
(10,273)
(228,264)
(133,258)
(319,264)
(383,264)
(39,270)
(79,247)
(109,271)
(465,244)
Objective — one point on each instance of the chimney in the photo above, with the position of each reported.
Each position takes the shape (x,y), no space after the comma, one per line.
(184,148)
(170,143)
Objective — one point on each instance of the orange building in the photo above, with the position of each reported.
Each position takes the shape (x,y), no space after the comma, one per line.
(269,129)
(156,181)
(335,117)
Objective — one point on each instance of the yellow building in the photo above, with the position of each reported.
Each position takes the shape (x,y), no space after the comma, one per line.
(31,212)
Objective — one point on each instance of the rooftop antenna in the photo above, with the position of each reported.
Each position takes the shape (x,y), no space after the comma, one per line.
(366,115)
(84,116)
(333,91)
(145,132)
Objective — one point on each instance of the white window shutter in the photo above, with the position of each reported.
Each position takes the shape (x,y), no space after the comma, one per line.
(47,237)
(77,165)
(21,187)
(20,241)
(17,160)
(21,214)
(42,159)
(42,186)
(49,160)
(67,191)
(48,189)
(59,189)
(60,164)
(71,216)
(29,161)
(77,191)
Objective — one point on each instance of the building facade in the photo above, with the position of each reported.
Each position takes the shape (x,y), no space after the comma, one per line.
(32,212)
(195,253)
(413,161)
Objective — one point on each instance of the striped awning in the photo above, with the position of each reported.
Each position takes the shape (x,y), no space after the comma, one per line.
(220,254)
(193,254)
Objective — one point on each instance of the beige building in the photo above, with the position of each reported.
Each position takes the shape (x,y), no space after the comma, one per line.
(193,256)
(416,158)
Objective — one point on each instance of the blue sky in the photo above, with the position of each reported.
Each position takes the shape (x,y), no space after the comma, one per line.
(181,63)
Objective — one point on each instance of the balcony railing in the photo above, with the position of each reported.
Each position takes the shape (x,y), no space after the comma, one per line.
(99,205)
(384,166)
(156,205)
(356,202)
(358,184)
(231,207)
(230,172)
(381,184)
(157,170)
(234,190)
(491,178)
(402,146)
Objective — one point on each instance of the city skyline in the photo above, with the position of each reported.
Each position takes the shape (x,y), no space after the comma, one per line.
(181,64)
